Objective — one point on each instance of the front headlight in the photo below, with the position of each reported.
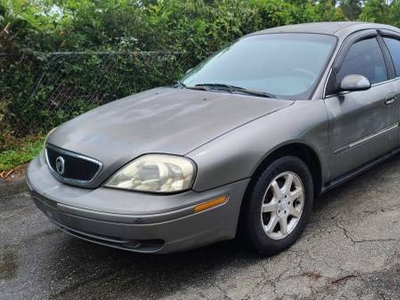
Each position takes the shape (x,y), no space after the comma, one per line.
(156,173)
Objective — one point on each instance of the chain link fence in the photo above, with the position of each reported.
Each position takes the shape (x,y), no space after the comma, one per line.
(40,91)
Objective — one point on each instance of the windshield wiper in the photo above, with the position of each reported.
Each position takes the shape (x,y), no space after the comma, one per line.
(231,89)
(179,84)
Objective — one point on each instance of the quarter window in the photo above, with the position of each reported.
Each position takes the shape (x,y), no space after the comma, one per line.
(365,58)
(394,49)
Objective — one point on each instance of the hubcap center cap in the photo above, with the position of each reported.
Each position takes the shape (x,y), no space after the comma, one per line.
(283,207)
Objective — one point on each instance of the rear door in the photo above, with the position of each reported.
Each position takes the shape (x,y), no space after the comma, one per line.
(363,124)
(392,42)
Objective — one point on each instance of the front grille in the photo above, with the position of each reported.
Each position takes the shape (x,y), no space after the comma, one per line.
(71,167)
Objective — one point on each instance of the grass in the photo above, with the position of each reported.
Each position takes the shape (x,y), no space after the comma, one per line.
(18,151)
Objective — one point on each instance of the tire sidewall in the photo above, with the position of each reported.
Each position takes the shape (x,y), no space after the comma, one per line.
(255,232)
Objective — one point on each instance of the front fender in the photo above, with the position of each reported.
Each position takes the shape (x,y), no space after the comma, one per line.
(237,154)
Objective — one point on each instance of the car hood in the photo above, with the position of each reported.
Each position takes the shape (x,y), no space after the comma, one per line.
(162,120)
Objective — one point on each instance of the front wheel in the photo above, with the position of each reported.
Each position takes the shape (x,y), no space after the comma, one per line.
(277,206)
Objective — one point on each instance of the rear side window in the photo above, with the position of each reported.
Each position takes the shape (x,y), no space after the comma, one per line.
(394,49)
(364,58)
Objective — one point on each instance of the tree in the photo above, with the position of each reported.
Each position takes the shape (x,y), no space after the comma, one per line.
(12,25)
(375,11)
(351,9)
(394,13)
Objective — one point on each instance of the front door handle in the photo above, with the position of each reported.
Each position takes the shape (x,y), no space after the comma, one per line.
(390,99)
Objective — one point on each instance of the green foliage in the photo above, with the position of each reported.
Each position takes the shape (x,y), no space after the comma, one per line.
(11,24)
(154,42)
(47,90)
(351,9)
(195,26)
(14,152)
(375,11)
(276,12)
(3,112)
(394,13)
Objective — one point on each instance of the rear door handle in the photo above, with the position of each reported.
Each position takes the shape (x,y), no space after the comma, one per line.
(390,99)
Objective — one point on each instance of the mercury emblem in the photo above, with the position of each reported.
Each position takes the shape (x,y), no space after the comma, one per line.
(60,165)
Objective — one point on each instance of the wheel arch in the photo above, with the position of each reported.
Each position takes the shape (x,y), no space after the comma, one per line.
(297,149)
(303,151)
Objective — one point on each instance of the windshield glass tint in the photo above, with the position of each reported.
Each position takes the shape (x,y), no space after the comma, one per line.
(285,65)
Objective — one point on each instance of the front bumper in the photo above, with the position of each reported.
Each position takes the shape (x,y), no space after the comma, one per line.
(136,221)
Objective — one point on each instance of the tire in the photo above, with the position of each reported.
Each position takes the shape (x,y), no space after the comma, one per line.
(277,206)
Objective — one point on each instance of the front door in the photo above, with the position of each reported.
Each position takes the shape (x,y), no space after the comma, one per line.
(363,124)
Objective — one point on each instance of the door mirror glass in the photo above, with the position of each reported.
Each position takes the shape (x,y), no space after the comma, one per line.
(355,82)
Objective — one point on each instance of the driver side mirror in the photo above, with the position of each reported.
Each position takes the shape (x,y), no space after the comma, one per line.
(354,82)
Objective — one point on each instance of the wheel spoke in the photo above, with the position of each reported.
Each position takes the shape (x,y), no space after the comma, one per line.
(272,223)
(288,183)
(268,207)
(276,189)
(296,193)
(283,224)
(294,212)
(282,203)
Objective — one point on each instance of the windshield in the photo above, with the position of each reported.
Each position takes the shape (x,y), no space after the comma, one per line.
(283,65)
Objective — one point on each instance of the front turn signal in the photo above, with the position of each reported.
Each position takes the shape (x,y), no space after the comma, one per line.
(211,203)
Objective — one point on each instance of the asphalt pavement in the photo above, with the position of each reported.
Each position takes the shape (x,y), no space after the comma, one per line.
(350,250)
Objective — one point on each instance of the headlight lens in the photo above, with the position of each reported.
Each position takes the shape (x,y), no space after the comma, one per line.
(155,173)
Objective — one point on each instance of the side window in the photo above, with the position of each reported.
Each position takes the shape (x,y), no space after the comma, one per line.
(365,58)
(394,49)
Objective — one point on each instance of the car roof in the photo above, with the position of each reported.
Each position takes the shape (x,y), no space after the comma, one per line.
(333,28)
